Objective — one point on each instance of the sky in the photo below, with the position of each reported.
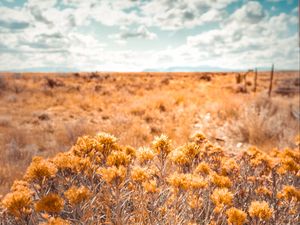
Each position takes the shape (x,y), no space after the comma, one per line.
(139,35)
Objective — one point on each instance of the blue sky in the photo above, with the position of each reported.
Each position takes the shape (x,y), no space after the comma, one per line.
(124,35)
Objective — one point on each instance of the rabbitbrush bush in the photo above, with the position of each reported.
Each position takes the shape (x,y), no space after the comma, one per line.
(99,181)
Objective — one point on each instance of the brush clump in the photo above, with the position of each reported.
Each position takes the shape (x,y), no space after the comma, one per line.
(99,181)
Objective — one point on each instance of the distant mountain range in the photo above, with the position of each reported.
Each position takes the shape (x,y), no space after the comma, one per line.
(169,69)
(45,69)
(202,69)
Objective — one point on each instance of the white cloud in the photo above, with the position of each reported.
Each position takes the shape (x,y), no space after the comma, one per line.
(140,32)
(45,4)
(165,14)
(251,12)
(172,15)
(13,20)
(55,33)
(289,1)
(296,10)
(249,42)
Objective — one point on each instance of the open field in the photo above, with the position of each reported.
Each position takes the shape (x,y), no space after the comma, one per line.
(42,114)
(82,142)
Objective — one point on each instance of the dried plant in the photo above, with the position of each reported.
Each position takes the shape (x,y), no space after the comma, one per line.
(99,181)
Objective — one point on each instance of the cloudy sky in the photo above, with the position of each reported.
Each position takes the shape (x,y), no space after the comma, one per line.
(123,35)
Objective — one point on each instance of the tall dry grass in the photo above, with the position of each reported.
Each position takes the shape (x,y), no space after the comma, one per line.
(251,120)
(52,110)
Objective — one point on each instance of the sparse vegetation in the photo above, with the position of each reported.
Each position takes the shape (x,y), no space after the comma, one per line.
(258,121)
(217,179)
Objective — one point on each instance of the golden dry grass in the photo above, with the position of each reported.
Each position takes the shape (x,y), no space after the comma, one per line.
(42,114)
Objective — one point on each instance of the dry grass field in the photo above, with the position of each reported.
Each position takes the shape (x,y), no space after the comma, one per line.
(44,114)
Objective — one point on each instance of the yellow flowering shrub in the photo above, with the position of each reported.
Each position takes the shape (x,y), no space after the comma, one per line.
(99,181)
(77,195)
(221,197)
(194,201)
(289,193)
(261,190)
(18,202)
(260,210)
(203,168)
(107,142)
(40,169)
(50,203)
(111,174)
(118,159)
(139,174)
(145,155)
(220,181)
(162,145)
(56,221)
(236,216)
(179,157)
(199,138)
(228,166)
(150,186)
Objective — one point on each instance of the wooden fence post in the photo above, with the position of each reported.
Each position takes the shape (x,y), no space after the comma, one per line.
(238,78)
(271,81)
(245,82)
(255,80)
